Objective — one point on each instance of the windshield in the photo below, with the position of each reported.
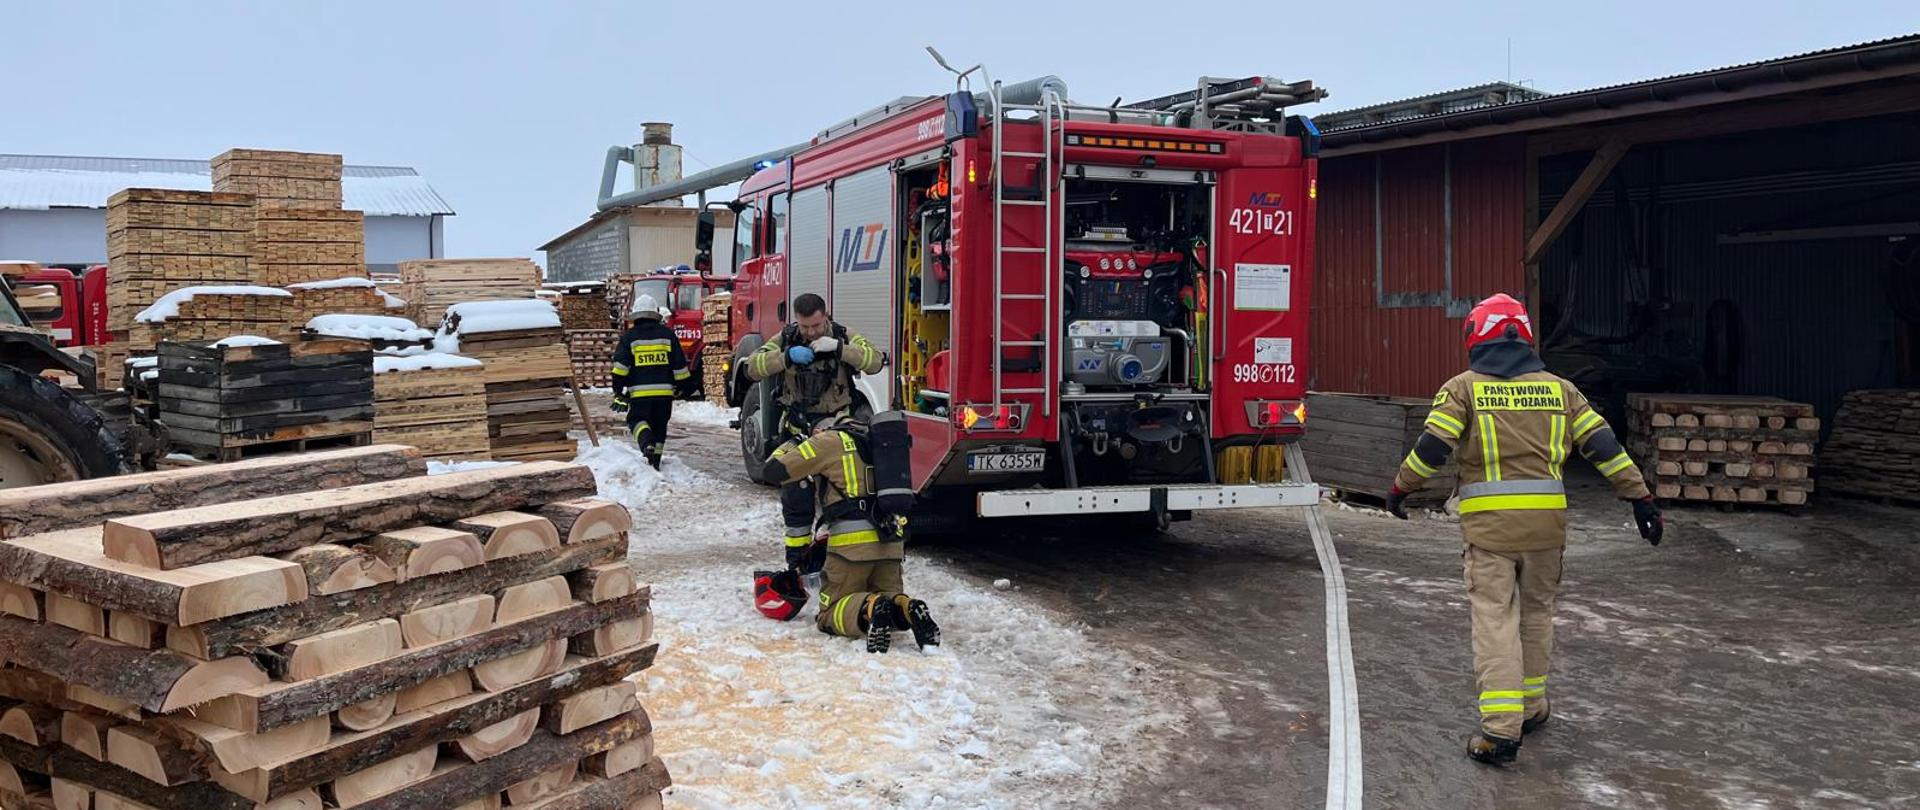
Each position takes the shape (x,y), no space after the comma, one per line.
(10,314)
(658,288)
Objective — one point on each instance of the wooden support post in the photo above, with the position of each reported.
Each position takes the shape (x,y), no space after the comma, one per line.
(1576,198)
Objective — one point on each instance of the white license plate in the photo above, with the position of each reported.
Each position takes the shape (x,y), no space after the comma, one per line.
(1024,461)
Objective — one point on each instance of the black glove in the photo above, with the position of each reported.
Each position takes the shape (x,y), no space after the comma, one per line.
(619,403)
(1397,502)
(797,557)
(1646,513)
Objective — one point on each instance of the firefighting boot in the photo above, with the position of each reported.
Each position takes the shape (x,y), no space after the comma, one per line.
(926,633)
(1533,723)
(1483,747)
(883,616)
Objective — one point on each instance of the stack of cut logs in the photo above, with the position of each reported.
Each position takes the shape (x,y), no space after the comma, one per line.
(716,339)
(436,402)
(358,635)
(1726,449)
(1875,447)
(230,402)
(430,285)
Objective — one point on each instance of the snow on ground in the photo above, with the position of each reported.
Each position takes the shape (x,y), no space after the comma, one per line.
(704,413)
(1017,709)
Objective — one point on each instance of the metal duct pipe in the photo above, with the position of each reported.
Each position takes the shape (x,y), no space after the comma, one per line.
(712,178)
(616,155)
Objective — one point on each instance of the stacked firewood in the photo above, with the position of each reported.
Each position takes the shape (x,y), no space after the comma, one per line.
(1725,449)
(357,635)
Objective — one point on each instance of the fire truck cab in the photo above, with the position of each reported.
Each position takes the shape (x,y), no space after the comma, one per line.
(680,290)
(1084,309)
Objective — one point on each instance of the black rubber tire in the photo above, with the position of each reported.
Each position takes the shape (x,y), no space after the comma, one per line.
(76,430)
(754,445)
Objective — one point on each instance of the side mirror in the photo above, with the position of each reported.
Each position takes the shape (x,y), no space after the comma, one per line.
(963,118)
(703,233)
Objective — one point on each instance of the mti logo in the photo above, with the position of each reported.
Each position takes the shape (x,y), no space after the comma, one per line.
(861,248)
(1266,199)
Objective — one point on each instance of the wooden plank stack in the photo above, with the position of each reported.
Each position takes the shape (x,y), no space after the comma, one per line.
(212,313)
(340,296)
(528,373)
(281,179)
(299,245)
(231,402)
(436,402)
(1874,450)
(591,352)
(583,306)
(1724,449)
(358,635)
(1355,444)
(160,240)
(429,285)
(716,345)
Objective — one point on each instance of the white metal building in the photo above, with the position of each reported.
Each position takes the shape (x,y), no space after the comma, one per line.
(53,208)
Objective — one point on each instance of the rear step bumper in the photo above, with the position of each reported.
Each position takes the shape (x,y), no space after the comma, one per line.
(1144,498)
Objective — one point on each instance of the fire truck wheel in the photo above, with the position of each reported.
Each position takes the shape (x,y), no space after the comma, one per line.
(48,436)
(755,445)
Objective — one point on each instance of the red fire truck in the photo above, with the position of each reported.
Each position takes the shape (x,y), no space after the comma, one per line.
(1085,309)
(680,290)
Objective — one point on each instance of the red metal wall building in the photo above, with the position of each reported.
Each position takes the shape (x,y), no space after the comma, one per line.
(1407,240)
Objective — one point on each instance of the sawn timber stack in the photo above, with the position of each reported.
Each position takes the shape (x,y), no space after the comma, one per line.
(471,638)
(1725,449)
(1874,450)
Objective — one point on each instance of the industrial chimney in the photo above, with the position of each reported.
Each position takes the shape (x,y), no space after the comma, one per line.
(656,158)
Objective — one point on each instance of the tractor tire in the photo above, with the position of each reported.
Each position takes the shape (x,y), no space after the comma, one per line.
(48,435)
(755,443)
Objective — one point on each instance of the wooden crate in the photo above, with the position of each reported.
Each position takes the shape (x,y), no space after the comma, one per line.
(1355,443)
(238,401)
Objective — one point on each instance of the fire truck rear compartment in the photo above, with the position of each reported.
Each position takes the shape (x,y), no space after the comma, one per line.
(1133,401)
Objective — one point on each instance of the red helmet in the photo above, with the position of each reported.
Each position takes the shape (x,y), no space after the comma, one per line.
(1498,318)
(778,595)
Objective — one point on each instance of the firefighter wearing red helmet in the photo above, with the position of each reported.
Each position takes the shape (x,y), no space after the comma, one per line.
(1510,426)
(863,594)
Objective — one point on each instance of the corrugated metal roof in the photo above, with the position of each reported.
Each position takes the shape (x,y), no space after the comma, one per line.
(1444,101)
(1780,61)
(40,182)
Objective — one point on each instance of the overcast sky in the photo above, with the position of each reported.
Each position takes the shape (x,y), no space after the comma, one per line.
(508,107)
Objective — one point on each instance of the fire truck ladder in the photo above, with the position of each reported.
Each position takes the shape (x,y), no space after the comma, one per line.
(1052,117)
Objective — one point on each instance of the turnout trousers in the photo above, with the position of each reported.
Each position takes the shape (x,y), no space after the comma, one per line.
(1511,595)
(647,419)
(848,585)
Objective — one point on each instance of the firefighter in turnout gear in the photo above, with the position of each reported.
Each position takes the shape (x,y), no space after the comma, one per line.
(1510,425)
(814,360)
(647,366)
(863,595)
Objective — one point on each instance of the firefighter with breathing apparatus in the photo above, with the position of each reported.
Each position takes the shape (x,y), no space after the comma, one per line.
(647,366)
(865,493)
(814,359)
(1510,425)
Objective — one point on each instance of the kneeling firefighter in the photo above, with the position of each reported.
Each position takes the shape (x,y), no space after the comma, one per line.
(866,491)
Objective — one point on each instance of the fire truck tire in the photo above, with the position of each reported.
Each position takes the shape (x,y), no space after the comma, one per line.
(755,442)
(48,435)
